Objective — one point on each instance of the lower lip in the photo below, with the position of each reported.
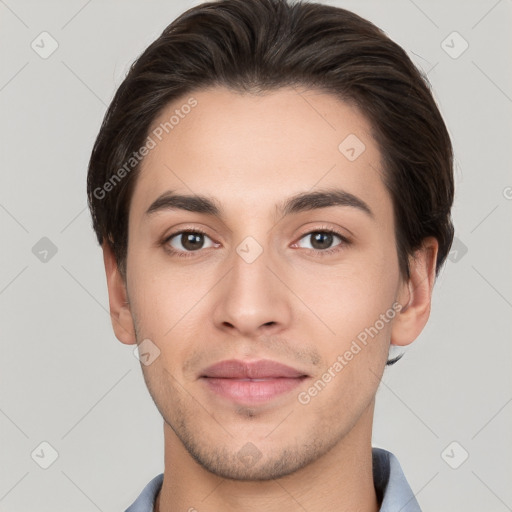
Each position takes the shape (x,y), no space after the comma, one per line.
(252,390)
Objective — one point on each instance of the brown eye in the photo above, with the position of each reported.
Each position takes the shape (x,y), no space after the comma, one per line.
(188,241)
(321,240)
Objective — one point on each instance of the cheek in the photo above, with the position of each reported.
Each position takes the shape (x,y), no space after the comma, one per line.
(349,298)
(354,360)
(355,305)
(166,302)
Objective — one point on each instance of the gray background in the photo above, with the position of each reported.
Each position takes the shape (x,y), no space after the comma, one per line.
(67,381)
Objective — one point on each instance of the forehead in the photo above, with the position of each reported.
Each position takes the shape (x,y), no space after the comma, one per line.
(253,151)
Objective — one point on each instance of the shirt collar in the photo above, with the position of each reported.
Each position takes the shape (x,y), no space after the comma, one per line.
(393,491)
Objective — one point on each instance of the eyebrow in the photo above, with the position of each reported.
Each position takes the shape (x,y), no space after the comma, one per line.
(301,202)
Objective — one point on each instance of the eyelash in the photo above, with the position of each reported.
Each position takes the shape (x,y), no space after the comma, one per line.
(317,252)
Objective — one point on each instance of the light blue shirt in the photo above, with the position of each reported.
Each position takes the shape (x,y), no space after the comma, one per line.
(389,480)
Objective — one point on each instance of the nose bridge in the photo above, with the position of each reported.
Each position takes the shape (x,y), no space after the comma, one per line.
(251,279)
(251,296)
(250,266)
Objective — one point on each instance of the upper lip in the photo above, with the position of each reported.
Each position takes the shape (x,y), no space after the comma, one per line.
(261,369)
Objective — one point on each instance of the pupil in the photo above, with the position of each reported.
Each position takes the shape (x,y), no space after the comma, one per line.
(324,239)
(192,241)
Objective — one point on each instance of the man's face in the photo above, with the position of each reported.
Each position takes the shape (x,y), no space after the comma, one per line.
(261,282)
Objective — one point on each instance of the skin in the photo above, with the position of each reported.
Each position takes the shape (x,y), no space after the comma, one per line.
(291,304)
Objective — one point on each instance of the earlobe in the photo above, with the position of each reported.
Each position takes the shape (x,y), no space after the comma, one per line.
(415,295)
(120,312)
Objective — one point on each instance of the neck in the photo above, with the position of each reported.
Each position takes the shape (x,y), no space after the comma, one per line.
(340,480)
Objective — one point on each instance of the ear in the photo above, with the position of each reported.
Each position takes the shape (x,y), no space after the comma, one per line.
(416,294)
(120,312)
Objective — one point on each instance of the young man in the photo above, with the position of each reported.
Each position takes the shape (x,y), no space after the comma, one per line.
(271,187)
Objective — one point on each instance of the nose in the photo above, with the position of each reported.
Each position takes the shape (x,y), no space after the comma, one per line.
(252,298)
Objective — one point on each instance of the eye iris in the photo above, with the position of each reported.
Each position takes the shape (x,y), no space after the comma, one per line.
(192,241)
(323,239)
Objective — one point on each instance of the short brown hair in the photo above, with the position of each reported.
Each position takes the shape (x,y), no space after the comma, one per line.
(262,45)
